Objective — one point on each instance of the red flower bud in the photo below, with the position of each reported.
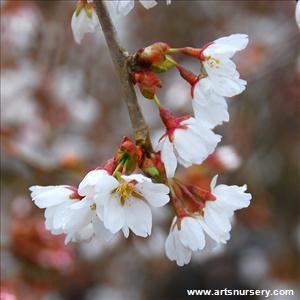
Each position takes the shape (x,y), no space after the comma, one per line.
(153,167)
(109,166)
(153,54)
(129,155)
(147,81)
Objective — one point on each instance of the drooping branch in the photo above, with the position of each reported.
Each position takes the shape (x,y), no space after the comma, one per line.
(120,60)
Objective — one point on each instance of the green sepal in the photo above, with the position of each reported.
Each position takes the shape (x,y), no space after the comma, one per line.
(88,11)
(78,10)
(167,64)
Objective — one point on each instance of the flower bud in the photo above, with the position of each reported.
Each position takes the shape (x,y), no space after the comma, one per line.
(153,54)
(129,155)
(109,166)
(153,167)
(147,81)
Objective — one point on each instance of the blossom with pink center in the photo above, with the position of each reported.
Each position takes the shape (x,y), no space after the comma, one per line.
(186,141)
(208,228)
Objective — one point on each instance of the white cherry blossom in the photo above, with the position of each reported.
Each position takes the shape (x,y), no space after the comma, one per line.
(57,201)
(216,59)
(84,22)
(74,217)
(126,204)
(190,143)
(208,106)
(209,228)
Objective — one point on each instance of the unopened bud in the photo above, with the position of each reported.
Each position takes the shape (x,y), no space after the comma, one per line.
(147,81)
(153,54)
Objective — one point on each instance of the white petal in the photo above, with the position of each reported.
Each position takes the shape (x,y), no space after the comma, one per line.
(176,251)
(297,13)
(89,182)
(83,24)
(125,230)
(100,231)
(227,46)
(114,214)
(136,177)
(225,86)
(213,182)
(233,196)
(196,142)
(138,216)
(79,219)
(155,193)
(168,156)
(50,196)
(148,3)
(124,6)
(191,234)
(216,219)
(208,106)
(85,234)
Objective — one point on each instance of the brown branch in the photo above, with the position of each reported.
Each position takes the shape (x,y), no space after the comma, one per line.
(120,60)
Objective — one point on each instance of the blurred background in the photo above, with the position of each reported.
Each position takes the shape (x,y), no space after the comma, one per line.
(62,114)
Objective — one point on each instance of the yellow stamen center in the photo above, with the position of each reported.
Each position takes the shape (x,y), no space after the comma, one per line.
(93,206)
(125,190)
(213,62)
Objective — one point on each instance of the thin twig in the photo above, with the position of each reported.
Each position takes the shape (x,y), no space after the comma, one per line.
(120,60)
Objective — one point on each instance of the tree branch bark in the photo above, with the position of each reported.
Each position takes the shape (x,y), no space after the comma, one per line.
(120,60)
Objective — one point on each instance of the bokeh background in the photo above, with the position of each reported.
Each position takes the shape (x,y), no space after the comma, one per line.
(62,114)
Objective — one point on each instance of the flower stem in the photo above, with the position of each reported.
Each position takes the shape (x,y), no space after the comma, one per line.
(121,61)
(156,101)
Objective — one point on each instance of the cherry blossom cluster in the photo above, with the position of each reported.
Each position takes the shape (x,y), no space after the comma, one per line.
(118,196)
(202,216)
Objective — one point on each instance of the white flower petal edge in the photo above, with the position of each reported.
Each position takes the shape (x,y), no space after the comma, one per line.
(190,145)
(208,106)
(297,14)
(211,229)
(83,24)
(56,200)
(125,6)
(168,156)
(73,217)
(220,69)
(127,205)
(148,3)
(97,184)
(181,242)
